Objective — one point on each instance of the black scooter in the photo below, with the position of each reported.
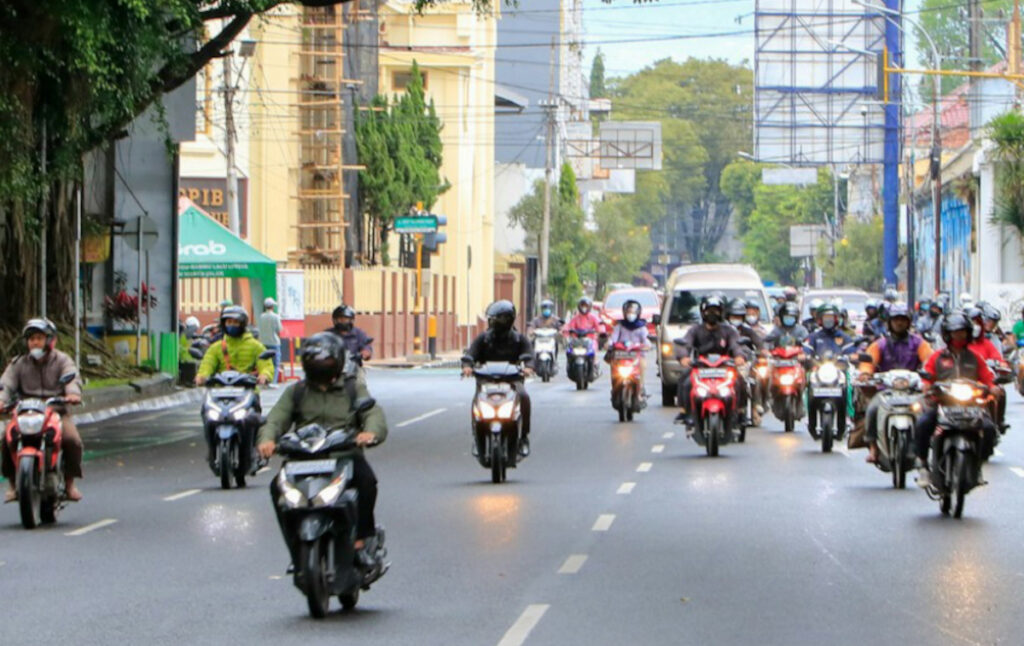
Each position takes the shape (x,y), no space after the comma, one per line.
(319,515)
(497,418)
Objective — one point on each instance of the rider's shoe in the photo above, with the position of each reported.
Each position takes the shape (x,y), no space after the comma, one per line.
(524,447)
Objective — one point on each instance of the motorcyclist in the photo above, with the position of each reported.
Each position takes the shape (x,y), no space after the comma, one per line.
(546,319)
(747,326)
(585,318)
(356,341)
(813,320)
(631,332)
(789,332)
(900,350)
(930,325)
(830,338)
(37,374)
(501,343)
(921,312)
(1018,327)
(987,349)
(874,326)
(708,337)
(237,350)
(992,316)
(956,360)
(327,398)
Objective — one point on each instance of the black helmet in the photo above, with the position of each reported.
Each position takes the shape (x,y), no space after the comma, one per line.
(708,302)
(323,358)
(955,320)
(501,315)
(631,303)
(584,302)
(343,311)
(234,312)
(789,308)
(738,308)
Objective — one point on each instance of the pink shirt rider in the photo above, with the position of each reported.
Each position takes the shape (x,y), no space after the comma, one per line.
(588,321)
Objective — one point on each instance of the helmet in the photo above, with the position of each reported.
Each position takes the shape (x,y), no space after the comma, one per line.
(789,293)
(942,300)
(871,304)
(631,303)
(966,300)
(234,312)
(708,302)
(501,315)
(343,311)
(899,308)
(547,302)
(192,322)
(41,325)
(890,295)
(226,303)
(991,312)
(584,302)
(816,305)
(826,310)
(955,320)
(269,303)
(789,308)
(753,304)
(924,304)
(737,308)
(323,358)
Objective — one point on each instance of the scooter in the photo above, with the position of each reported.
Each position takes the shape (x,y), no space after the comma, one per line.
(956,445)
(319,515)
(33,437)
(787,381)
(497,418)
(581,351)
(626,377)
(545,352)
(713,401)
(899,395)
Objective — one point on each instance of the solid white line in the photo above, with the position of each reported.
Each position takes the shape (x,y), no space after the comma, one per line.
(644,467)
(263,470)
(626,488)
(573,564)
(657,448)
(1017,471)
(517,634)
(421,417)
(668,436)
(603,523)
(88,528)
(183,494)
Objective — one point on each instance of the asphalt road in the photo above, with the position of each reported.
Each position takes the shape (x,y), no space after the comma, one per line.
(608,534)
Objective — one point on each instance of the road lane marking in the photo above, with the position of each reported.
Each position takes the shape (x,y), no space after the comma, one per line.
(998,453)
(88,528)
(183,494)
(421,417)
(644,467)
(626,488)
(263,470)
(1017,471)
(573,564)
(603,523)
(668,436)
(657,448)
(517,634)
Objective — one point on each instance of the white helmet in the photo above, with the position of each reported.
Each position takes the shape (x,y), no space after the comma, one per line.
(269,303)
(192,322)
(966,300)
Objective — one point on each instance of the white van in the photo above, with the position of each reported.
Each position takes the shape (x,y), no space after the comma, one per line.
(681,308)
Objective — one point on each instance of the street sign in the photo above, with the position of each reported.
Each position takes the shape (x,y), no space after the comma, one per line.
(789,176)
(416,224)
(803,239)
(130,233)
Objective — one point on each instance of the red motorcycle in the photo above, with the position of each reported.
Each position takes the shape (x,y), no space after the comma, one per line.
(33,437)
(787,386)
(627,393)
(713,401)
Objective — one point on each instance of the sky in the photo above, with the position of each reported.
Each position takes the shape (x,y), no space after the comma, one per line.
(669,21)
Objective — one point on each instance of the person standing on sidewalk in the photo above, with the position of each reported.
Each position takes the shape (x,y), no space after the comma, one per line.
(270,335)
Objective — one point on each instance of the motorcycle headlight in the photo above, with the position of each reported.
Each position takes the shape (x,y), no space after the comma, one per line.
(291,496)
(505,410)
(762,371)
(238,415)
(624,371)
(329,494)
(827,373)
(787,380)
(724,391)
(30,424)
(213,414)
(702,391)
(902,383)
(961,392)
(666,349)
(483,410)
(579,351)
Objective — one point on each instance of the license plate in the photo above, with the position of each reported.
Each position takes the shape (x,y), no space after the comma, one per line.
(309,467)
(961,411)
(828,392)
(900,401)
(712,373)
(579,351)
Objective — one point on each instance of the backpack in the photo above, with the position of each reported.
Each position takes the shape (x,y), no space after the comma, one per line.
(299,391)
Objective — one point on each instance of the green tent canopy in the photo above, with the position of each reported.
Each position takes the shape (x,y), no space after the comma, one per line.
(207,250)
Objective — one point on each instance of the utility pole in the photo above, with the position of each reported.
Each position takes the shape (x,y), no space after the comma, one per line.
(229,137)
(550,112)
(42,233)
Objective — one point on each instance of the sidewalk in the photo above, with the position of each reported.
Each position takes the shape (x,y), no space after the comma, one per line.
(443,360)
(142,395)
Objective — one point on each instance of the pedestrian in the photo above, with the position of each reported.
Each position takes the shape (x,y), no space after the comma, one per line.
(270,335)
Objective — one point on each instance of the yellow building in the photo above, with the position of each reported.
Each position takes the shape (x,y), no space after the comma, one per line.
(454,48)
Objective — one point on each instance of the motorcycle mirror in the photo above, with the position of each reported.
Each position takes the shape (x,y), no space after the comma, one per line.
(369,340)
(196,353)
(365,404)
(656,319)
(67,379)
(268,354)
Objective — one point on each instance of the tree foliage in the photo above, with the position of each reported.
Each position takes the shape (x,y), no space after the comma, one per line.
(951,33)
(858,260)
(597,86)
(704,110)
(622,245)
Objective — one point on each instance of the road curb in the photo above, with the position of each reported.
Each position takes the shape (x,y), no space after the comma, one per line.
(140,406)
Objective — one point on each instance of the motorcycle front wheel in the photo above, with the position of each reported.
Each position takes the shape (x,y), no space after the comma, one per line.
(497,463)
(827,422)
(712,427)
(899,472)
(224,463)
(958,485)
(314,564)
(790,415)
(29,498)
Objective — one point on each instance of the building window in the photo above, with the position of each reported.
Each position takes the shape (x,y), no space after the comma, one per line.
(400,80)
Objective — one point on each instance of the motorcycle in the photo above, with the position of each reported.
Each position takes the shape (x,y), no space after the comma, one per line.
(826,400)
(713,401)
(627,391)
(497,418)
(33,437)
(956,455)
(787,380)
(899,394)
(545,352)
(320,515)
(581,364)
(228,413)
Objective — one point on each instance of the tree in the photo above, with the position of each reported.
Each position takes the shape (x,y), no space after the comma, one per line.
(951,32)
(624,245)
(740,180)
(858,260)
(597,88)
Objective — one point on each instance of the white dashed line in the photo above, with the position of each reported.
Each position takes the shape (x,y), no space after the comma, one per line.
(183,494)
(88,528)
(263,470)
(657,448)
(626,488)
(1017,471)
(668,436)
(603,523)
(644,467)
(998,453)
(421,417)
(573,564)
(517,634)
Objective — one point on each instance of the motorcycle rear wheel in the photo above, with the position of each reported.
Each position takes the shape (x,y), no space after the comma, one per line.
(668,394)
(314,562)
(29,502)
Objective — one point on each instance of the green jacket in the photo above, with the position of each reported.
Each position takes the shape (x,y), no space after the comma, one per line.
(1018,330)
(243,355)
(332,409)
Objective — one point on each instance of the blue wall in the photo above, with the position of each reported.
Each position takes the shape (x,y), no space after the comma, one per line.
(956,247)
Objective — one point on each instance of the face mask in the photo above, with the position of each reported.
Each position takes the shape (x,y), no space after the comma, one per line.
(712,317)
(631,317)
(37,353)
(828,323)
(958,344)
(735,321)
(976,330)
(344,327)
(233,330)
(752,319)
(789,321)
(584,310)
(545,313)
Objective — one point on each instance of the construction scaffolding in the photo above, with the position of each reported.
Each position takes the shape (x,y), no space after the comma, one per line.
(320,191)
